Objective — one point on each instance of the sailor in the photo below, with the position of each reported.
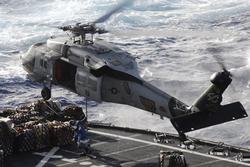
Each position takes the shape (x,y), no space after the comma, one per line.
(81,137)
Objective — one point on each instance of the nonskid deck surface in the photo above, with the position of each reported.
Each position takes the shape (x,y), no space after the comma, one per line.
(117,147)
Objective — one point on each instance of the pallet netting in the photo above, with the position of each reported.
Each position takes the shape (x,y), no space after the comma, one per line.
(19,118)
(28,106)
(172,159)
(1,158)
(6,139)
(32,127)
(74,112)
(7,112)
(61,133)
(28,111)
(42,135)
(30,124)
(25,140)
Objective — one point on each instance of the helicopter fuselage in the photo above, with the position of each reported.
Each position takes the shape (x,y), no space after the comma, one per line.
(99,71)
(102,72)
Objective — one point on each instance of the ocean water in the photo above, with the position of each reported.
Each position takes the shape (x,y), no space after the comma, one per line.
(174,40)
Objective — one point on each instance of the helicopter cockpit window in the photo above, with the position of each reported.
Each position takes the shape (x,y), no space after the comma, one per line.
(43,63)
(28,61)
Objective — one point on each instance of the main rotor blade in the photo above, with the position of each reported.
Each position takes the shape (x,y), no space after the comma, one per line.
(114,10)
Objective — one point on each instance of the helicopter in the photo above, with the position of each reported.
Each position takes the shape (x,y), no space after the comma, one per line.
(100,71)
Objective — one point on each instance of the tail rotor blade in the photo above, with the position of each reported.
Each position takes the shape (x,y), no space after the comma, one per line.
(221,64)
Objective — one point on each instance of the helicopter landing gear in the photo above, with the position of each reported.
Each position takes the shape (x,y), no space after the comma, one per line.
(46,93)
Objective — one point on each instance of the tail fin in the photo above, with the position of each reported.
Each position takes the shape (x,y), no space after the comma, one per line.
(203,119)
(207,110)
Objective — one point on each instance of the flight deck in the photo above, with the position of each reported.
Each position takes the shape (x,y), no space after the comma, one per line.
(115,146)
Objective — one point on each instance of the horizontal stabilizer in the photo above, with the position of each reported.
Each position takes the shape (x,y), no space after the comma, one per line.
(203,119)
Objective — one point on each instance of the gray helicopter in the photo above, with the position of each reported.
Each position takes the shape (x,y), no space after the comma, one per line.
(101,71)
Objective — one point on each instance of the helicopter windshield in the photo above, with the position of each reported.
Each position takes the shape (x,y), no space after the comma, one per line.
(28,60)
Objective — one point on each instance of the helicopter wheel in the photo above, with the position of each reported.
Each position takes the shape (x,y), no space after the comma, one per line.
(46,93)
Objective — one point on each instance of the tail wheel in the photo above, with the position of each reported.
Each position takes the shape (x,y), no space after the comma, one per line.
(46,93)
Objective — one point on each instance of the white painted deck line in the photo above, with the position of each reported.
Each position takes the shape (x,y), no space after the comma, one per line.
(47,157)
(97,144)
(105,142)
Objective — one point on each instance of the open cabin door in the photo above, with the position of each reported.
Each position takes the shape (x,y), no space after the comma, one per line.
(65,74)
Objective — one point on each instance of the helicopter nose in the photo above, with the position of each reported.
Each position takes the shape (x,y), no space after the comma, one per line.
(28,61)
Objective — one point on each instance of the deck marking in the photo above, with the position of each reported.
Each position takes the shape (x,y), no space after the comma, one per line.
(140,160)
(105,142)
(47,157)
(206,163)
(71,160)
(169,147)
(97,144)
(126,150)
(43,154)
(86,163)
